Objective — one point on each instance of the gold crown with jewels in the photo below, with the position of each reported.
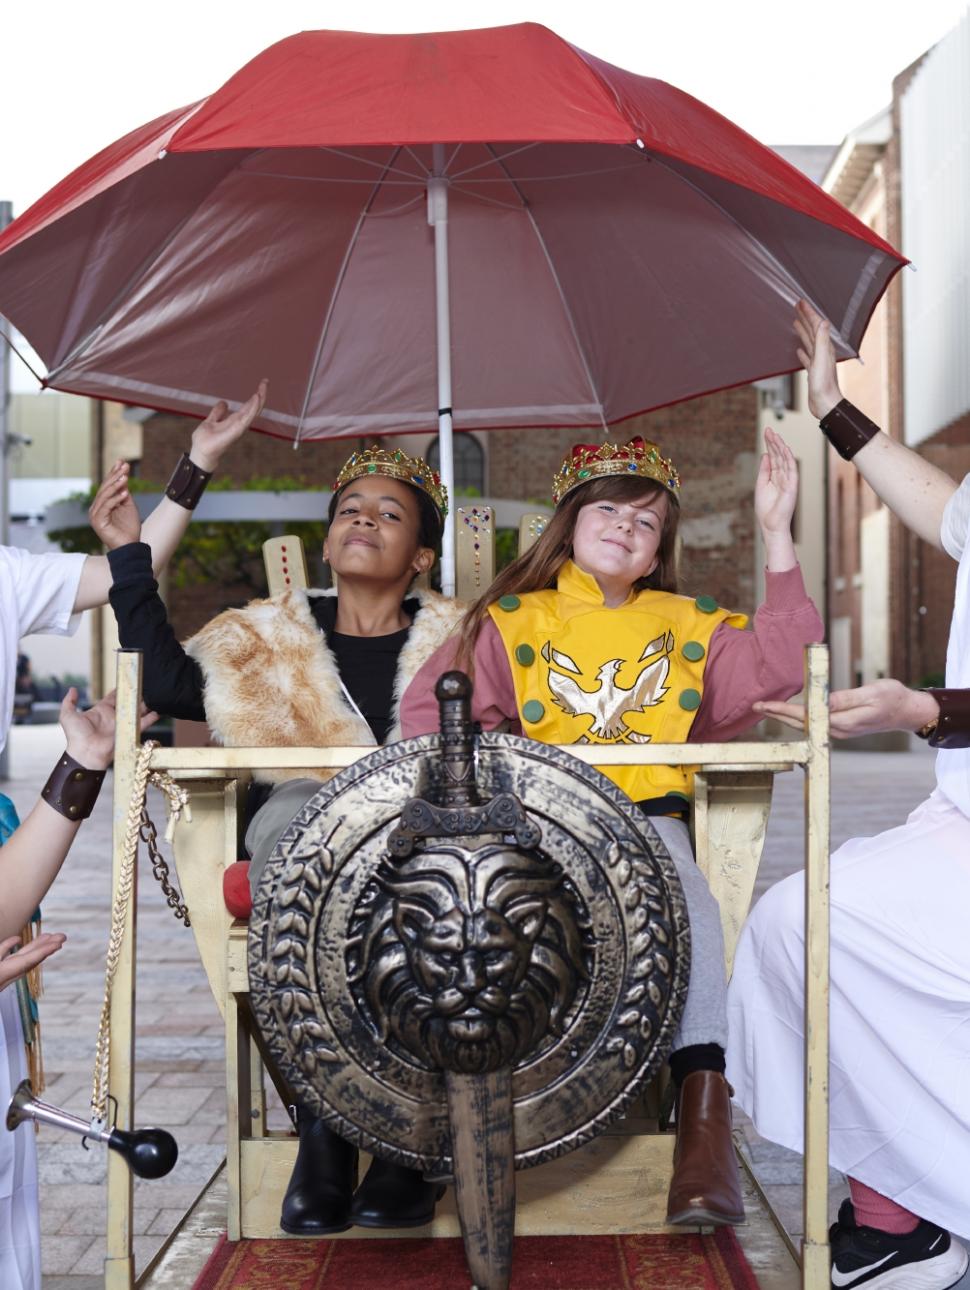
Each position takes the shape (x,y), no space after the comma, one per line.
(395,465)
(638,459)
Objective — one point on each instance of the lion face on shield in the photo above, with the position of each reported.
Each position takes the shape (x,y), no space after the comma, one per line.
(467,960)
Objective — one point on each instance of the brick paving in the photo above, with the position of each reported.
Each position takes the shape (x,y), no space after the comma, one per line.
(179,1078)
(179,1081)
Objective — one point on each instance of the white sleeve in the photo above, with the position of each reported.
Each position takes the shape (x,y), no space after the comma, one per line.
(956,521)
(45,588)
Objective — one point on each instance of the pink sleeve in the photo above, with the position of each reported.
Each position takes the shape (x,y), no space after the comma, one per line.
(744,667)
(493,703)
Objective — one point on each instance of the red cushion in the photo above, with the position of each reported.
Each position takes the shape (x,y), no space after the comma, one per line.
(235,889)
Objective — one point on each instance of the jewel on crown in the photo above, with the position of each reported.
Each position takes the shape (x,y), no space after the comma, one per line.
(395,464)
(589,461)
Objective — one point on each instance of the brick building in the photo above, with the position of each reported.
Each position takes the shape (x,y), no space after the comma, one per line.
(906,173)
(858,601)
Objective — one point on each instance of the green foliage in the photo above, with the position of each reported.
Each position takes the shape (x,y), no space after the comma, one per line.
(232,553)
(76,541)
(506,547)
(228,553)
(932,681)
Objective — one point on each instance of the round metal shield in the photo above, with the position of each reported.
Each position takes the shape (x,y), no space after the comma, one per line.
(343,971)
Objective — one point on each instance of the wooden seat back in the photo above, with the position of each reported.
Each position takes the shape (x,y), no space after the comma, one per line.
(286,566)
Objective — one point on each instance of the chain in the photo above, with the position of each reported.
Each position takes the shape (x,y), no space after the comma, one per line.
(137,825)
(160,870)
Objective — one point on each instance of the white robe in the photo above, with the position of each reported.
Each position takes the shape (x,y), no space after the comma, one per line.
(900,999)
(36,595)
(19,1216)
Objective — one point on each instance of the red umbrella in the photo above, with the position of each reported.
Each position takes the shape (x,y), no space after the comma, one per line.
(615,245)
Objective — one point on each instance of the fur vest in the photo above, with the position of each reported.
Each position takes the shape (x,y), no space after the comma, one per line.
(272,681)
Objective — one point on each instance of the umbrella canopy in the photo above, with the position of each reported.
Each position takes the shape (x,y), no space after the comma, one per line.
(615,245)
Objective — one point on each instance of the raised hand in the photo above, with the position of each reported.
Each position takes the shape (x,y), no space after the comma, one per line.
(776,489)
(91,735)
(221,428)
(113,514)
(817,355)
(16,960)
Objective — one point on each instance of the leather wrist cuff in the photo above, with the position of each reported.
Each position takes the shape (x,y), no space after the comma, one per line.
(187,483)
(847,429)
(953,725)
(73,789)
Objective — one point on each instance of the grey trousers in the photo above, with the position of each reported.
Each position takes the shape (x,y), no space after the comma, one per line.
(704,1020)
(282,805)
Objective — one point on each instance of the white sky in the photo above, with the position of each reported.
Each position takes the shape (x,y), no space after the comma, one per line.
(74,76)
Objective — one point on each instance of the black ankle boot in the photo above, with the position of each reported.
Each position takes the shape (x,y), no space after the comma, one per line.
(317,1201)
(394,1196)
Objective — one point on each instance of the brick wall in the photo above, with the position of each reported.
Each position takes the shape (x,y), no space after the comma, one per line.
(923,579)
(934,572)
(904,558)
(314,464)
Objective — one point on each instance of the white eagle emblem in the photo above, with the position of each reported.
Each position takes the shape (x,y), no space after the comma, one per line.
(609,703)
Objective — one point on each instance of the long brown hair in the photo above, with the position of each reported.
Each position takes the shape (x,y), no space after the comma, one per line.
(538,569)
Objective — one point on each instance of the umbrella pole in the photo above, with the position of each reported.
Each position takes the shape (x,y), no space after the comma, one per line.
(438,219)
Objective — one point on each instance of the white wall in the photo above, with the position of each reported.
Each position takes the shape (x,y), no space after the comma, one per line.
(935,128)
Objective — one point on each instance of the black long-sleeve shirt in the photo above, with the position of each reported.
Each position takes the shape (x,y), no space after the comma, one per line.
(173,683)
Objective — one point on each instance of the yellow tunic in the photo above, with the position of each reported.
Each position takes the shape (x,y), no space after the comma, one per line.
(587,674)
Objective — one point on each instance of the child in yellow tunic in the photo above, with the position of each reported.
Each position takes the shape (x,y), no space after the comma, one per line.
(584,639)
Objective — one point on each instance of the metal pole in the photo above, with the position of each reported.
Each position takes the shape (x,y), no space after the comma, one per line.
(6,215)
(438,219)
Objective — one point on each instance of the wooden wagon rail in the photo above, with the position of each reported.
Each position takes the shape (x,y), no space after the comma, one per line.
(733,789)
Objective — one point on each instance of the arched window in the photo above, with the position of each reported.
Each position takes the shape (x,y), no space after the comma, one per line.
(469,463)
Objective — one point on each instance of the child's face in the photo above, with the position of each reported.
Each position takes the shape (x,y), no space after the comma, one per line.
(374,533)
(619,541)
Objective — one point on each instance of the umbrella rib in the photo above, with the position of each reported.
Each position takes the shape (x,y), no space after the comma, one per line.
(37,377)
(414,182)
(562,296)
(417,160)
(550,179)
(338,283)
(396,210)
(382,166)
(481,165)
(797,290)
(137,274)
(487,201)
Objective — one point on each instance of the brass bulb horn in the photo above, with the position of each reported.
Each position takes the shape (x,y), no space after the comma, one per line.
(150,1153)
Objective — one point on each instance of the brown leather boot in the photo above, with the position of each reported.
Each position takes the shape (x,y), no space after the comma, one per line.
(706,1186)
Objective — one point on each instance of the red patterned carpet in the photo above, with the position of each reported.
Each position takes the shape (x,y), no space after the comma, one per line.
(541,1263)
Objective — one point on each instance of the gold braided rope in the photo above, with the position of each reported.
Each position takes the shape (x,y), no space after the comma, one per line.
(178,801)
